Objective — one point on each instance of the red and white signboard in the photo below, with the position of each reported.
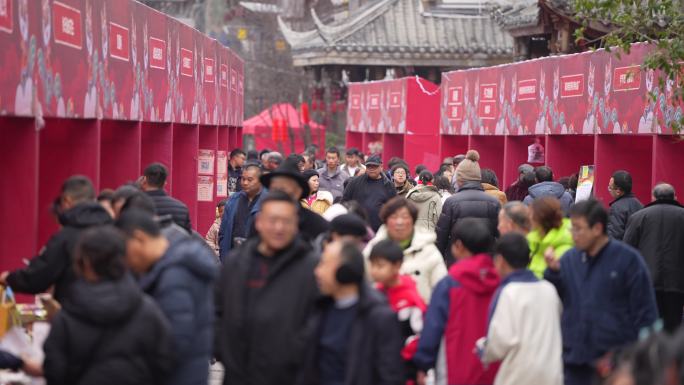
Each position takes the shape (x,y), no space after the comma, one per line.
(119,43)
(627,78)
(233,80)
(224,76)
(355,102)
(455,95)
(395,99)
(572,86)
(209,70)
(157,53)
(487,106)
(455,112)
(527,89)
(67,25)
(186,67)
(6,16)
(241,85)
(374,101)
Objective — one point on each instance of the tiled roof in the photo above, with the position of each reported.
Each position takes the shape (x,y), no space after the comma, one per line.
(400,31)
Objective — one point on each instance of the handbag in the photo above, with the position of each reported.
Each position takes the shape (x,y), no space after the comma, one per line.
(9,315)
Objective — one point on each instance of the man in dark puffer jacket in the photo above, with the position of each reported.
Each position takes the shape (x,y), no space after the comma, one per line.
(469,202)
(179,276)
(154,180)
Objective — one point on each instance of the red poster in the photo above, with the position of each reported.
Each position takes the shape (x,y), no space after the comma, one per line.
(67,25)
(455,112)
(455,95)
(6,16)
(157,53)
(395,99)
(355,102)
(527,89)
(572,86)
(374,101)
(627,78)
(487,109)
(119,41)
(186,67)
(488,91)
(209,70)
(233,79)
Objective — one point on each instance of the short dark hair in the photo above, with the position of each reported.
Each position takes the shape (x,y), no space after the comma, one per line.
(442,183)
(425,177)
(543,174)
(489,176)
(474,234)
(296,158)
(514,249)
(133,220)
(352,263)
(395,204)
(591,210)
(104,249)
(156,175)
(249,166)
(79,188)
(139,201)
(388,250)
(401,165)
(546,211)
(277,196)
(333,150)
(106,195)
(221,203)
(237,152)
(252,155)
(664,191)
(124,192)
(420,168)
(623,180)
(264,152)
(352,151)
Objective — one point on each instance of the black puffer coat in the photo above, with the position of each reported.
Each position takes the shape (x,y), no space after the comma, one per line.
(167,205)
(108,333)
(469,202)
(620,211)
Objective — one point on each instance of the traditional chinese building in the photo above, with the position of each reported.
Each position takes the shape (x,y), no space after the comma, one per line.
(543,27)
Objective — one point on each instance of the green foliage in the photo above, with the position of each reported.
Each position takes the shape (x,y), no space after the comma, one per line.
(659,22)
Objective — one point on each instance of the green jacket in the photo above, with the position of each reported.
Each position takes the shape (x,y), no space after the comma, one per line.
(560,239)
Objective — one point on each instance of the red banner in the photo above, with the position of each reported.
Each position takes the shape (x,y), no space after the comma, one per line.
(67,25)
(587,93)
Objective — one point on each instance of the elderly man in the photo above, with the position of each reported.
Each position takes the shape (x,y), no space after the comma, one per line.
(658,232)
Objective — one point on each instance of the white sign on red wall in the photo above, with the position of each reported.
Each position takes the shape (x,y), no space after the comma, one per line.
(157,53)
(572,86)
(6,16)
(527,89)
(186,67)
(487,105)
(627,78)
(209,70)
(224,76)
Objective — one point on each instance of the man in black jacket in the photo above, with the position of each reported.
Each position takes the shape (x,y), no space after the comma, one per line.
(263,298)
(658,232)
(624,204)
(371,190)
(356,337)
(469,202)
(288,179)
(53,266)
(154,180)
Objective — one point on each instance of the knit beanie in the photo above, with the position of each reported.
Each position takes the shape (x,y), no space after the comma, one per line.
(469,169)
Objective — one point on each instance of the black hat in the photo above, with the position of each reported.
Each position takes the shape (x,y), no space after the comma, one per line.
(374,159)
(348,224)
(309,173)
(287,169)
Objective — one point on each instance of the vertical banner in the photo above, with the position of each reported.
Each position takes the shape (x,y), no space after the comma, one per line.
(154,72)
(187,106)
(121,97)
(233,86)
(223,83)
(354,110)
(210,75)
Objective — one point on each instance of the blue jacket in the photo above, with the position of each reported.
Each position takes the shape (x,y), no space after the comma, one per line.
(553,189)
(181,283)
(226,229)
(607,299)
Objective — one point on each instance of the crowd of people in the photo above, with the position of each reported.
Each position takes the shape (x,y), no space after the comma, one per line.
(318,272)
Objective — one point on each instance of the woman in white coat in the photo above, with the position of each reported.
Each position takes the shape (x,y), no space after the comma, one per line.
(422,260)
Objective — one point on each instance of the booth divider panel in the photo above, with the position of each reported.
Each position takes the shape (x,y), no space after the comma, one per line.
(67,147)
(392,145)
(184,169)
(18,200)
(238,137)
(451,145)
(565,154)
(422,149)
(515,154)
(491,149)
(621,152)
(157,146)
(224,139)
(206,214)
(120,152)
(354,139)
(668,158)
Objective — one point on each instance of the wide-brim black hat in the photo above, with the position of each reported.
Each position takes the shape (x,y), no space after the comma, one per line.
(287,169)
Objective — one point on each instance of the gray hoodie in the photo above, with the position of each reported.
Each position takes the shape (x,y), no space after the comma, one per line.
(553,189)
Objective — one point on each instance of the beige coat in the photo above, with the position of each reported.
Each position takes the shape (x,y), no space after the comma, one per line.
(324,200)
(422,260)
